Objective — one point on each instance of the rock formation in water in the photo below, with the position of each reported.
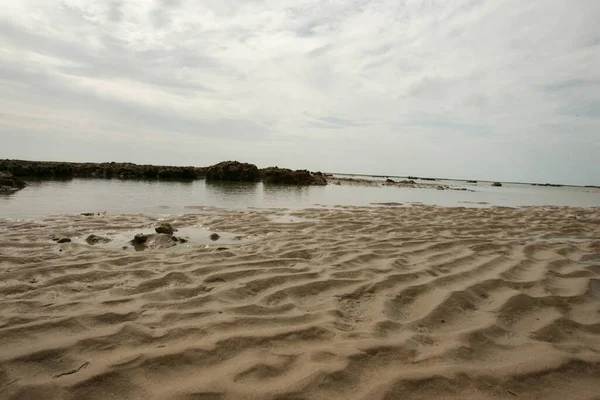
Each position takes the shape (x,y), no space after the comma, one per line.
(498,184)
(233,171)
(10,183)
(275,175)
(64,170)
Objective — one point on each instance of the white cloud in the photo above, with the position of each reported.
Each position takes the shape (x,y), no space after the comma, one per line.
(481,89)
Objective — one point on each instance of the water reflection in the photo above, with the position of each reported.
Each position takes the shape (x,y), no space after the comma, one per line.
(232,194)
(276,195)
(41,198)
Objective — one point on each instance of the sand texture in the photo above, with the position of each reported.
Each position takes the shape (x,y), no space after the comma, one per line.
(382,302)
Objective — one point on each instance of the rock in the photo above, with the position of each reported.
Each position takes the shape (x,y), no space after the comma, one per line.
(214,237)
(95,239)
(87,214)
(497,184)
(388,180)
(64,170)
(165,228)
(10,183)
(180,240)
(63,240)
(408,182)
(140,238)
(284,176)
(152,241)
(471,181)
(233,171)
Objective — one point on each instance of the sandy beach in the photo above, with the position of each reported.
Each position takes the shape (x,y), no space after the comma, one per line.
(382,302)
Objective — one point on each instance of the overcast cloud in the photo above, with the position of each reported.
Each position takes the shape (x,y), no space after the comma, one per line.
(504,90)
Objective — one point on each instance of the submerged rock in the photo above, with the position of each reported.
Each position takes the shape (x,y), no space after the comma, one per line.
(179,239)
(215,237)
(63,240)
(95,239)
(165,228)
(497,184)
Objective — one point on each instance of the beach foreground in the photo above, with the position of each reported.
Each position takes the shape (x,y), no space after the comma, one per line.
(385,302)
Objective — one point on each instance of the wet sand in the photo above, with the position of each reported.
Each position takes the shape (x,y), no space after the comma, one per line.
(382,302)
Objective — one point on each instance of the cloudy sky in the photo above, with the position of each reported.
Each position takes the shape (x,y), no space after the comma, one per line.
(505,90)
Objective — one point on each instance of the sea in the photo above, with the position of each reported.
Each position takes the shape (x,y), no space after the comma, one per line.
(59,197)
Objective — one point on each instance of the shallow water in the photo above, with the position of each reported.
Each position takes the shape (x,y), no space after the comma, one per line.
(155,197)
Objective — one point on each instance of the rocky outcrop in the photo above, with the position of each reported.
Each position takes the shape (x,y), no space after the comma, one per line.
(284,176)
(64,170)
(10,183)
(497,184)
(233,171)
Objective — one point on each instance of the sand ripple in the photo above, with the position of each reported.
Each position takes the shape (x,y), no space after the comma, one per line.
(385,302)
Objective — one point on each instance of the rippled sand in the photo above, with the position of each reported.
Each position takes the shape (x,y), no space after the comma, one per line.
(384,302)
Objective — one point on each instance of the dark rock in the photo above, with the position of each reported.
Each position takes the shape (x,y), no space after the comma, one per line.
(388,180)
(551,185)
(140,238)
(62,170)
(152,241)
(10,183)
(233,171)
(471,181)
(497,184)
(214,237)
(87,214)
(165,228)
(284,176)
(408,182)
(95,239)
(180,240)
(63,240)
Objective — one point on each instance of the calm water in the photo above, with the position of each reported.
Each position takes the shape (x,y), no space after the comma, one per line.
(116,196)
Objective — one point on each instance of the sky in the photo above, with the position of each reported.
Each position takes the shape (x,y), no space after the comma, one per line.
(500,90)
